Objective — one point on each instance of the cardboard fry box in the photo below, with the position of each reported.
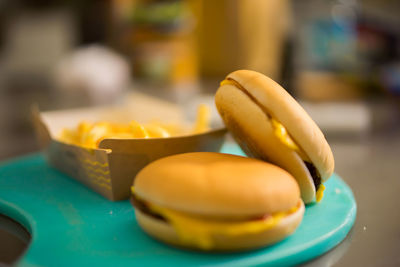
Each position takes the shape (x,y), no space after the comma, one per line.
(110,169)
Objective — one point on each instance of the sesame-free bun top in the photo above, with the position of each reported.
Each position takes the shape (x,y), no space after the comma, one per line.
(217,185)
(284,108)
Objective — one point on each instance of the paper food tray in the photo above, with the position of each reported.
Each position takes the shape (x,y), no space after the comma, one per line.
(110,169)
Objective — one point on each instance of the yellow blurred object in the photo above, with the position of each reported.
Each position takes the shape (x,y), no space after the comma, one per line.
(203,119)
(138,130)
(242,34)
(69,136)
(336,87)
(90,135)
(157,131)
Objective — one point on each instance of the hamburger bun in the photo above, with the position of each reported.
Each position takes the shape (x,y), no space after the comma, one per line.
(249,103)
(245,241)
(216,201)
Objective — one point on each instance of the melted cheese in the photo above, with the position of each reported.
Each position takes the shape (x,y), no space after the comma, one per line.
(200,231)
(320,193)
(283,136)
(230,82)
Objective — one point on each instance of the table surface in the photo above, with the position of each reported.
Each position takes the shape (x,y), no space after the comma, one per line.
(370,164)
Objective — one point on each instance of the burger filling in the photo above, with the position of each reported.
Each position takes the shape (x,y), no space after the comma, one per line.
(144,207)
(199,231)
(314,174)
(285,138)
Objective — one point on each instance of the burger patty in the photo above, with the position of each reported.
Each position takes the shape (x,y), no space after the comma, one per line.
(143,207)
(314,174)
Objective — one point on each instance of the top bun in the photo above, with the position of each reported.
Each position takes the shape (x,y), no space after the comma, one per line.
(217,185)
(284,108)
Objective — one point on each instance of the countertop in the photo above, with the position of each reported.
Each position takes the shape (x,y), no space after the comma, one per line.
(370,164)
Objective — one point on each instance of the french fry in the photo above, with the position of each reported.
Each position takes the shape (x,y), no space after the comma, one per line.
(69,136)
(157,131)
(202,119)
(138,130)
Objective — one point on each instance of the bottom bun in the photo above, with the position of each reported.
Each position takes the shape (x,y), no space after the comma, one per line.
(163,231)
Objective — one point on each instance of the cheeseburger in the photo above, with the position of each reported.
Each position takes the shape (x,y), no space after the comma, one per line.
(270,125)
(215,201)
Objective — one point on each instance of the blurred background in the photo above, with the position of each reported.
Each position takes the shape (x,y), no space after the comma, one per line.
(340,58)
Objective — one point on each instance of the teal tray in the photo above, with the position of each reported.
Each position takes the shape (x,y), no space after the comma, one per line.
(73,226)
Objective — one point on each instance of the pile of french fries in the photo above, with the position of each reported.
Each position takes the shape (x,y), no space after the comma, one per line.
(89,135)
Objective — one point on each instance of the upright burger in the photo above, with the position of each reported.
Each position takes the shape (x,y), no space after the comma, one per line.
(270,125)
(215,201)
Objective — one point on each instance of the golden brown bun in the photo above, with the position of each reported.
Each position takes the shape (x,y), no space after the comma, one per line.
(285,109)
(217,185)
(165,232)
(240,115)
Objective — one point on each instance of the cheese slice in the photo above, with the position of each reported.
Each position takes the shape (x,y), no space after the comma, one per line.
(283,136)
(199,231)
(320,193)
